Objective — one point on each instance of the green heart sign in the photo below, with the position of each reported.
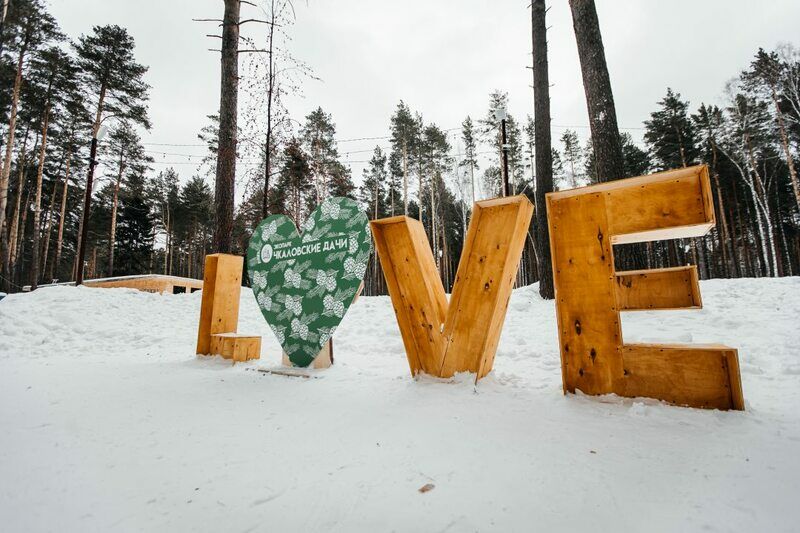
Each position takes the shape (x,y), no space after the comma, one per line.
(304,284)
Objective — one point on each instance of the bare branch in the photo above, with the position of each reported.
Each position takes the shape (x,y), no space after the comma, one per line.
(255,20)
(207,20)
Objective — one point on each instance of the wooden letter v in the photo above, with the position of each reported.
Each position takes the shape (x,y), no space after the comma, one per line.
(440,338)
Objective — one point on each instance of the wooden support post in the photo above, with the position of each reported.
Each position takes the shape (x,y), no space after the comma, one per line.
(584,224)
(219,311)
(443,338)
(235,346)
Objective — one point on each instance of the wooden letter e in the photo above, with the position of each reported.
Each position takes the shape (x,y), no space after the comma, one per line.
(584,224)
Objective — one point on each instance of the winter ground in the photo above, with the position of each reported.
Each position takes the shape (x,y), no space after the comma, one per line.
(109,422)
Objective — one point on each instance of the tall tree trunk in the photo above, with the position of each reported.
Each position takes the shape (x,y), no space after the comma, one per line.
(405,178)
(19,249)
(57,263)
(87,197)
(226,155)
(785,144)
(722,219)
(270,96)
(606,141)
(5,172)
(46,262)
(544,152)
(8,251)
(434,237)
(112,234)
(37,207)
(48,230)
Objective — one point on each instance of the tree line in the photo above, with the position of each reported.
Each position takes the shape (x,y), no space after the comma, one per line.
(60,95)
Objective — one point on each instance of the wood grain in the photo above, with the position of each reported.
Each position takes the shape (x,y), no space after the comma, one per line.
(236,346)
(663,288)
(219,311)
(443,338)
(147,283)
(584,224)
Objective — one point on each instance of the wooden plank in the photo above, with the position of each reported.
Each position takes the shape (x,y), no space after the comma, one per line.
(664,288)
(696,376)
(586,309)
(416,290)
(442,339)
(484,280)
(236,346)
(584,223)
(219,309)
(247,348)
(147,283)
(666,205)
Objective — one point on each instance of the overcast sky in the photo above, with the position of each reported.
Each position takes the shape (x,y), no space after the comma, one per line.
(442,57)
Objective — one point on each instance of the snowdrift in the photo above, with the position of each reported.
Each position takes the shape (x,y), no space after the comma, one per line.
(110,422)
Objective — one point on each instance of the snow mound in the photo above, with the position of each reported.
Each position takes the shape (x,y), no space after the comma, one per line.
(110,422)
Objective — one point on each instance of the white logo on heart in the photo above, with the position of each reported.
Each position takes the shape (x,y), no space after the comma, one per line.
(266,253)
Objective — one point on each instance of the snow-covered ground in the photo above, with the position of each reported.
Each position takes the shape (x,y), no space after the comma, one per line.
(108,421)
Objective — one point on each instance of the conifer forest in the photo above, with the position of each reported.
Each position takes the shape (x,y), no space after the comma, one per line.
(75,107)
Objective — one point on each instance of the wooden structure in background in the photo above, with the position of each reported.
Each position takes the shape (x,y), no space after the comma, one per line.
(585,223)
(443,338)
(149,283)
(219,311)
(146,282)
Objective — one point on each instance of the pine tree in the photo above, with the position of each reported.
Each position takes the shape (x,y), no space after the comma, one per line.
(194,226)
(394,192)
(767,72)
(54,72)
(470,160)
(295,189)
(71,129)
(573,159)
(110,71)
(29,26)
(404,135)
(129,158)
(670,134)
(330,177)
(136,227)
(372,193)
(164,192)
(434,162)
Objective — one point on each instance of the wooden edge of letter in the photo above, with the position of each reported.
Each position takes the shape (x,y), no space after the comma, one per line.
(440,338)
(666,205)
(411,278)
(660,288)
(219,311)
(483,284)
